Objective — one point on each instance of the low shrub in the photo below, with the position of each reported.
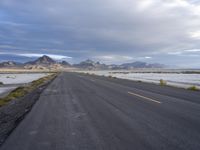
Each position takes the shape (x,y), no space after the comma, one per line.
(110,76)
(193,88)
(163,82)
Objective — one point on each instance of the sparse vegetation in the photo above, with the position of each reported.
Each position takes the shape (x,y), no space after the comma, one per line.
(163,82)
(22,91)
(110,76)
(193,88)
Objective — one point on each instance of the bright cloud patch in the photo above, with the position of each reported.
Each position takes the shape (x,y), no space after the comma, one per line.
(195,35)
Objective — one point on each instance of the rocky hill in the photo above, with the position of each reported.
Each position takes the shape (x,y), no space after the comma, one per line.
(10,64)
(44,60)
(139,64)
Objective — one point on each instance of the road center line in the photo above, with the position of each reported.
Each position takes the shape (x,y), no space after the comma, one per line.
(146,98)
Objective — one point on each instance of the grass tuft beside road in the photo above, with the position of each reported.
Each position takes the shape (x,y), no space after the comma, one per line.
(23,90)
(163,82)
(193,88)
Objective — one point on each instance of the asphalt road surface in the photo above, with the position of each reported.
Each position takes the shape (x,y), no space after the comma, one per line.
(85,112)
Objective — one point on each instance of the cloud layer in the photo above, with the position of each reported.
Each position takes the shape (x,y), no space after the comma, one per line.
(112,30)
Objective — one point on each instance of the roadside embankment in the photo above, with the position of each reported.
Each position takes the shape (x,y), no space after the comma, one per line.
(18,102)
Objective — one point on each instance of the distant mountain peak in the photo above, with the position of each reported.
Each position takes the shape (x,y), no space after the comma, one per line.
(140,64)
(89,61)
(44,60)
(91,65)
(65,63)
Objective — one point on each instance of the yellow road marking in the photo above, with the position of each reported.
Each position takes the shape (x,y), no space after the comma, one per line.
(144,97)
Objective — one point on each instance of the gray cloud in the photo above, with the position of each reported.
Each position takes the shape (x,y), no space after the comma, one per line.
(102,29)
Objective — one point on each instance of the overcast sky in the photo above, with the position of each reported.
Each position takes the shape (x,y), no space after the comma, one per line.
(112,31)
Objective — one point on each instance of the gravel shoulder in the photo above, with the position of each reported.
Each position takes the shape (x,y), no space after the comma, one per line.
(12,113)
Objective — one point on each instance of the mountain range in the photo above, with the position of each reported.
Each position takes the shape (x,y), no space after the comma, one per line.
(45,62)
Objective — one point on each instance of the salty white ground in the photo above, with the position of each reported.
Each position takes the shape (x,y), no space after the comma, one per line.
(5,90)
(11,81)
(173,79)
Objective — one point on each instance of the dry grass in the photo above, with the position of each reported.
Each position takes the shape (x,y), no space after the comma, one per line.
(193,88)
(110,76)
(163,82)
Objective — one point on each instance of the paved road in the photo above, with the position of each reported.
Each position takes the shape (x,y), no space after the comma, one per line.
(82,112)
